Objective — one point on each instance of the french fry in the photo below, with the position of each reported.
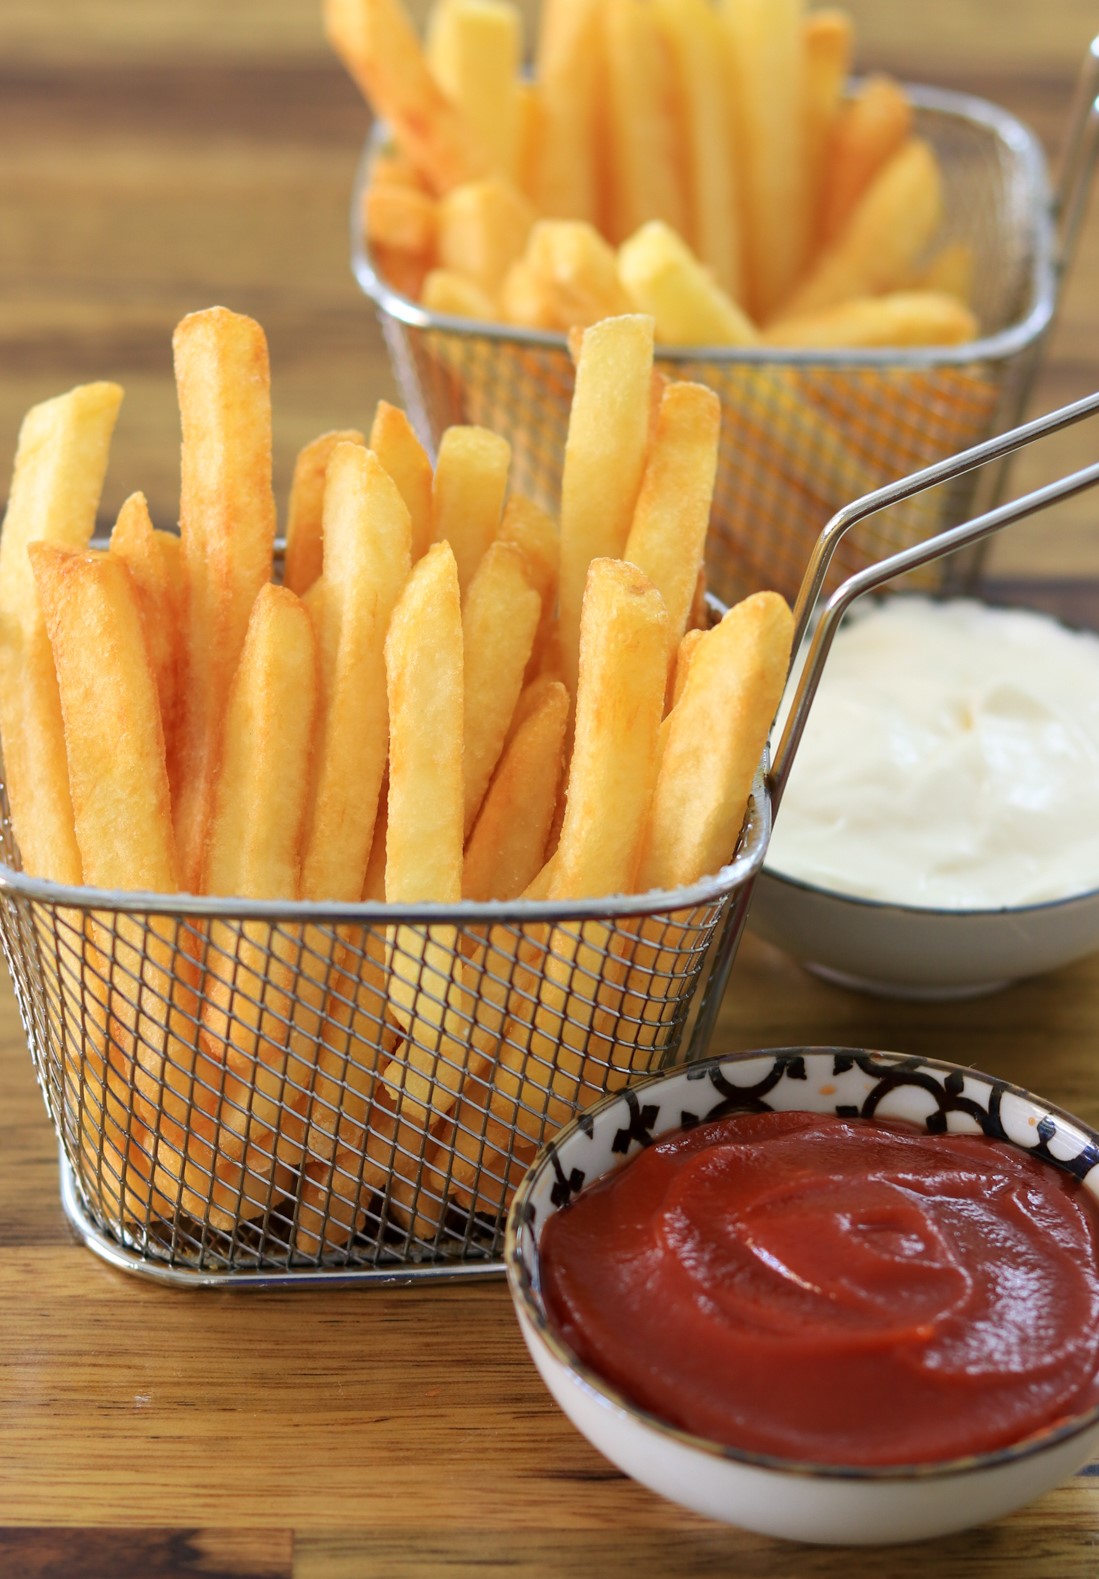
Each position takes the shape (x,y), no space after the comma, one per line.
(715,739)
(643,155)
(507,848)
(565,182)
(528,132)
(255,853)
(135,541)
(400,218)
(59,468)
(870,129)
(950,270)
(768,56)
(688,646)
(827,68)
(467,499)
(305,515)
(577,272)
(455,295)
(712,204)
(499,620)
(378,45)
(902,318)
(403,456)
(390,168)
(227,519)
(663,278)
(604,461)
(475,53)
(668,534)
(894,221)
(535,533)
(483,228)
(525,299)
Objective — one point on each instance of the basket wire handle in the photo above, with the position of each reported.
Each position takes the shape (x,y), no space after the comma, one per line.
(942,543)
(1077,159)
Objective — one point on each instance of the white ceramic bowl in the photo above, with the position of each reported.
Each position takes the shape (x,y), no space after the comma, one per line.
(800,1501)
(898,951)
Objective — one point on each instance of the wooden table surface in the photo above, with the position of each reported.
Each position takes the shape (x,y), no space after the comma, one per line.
(154,159)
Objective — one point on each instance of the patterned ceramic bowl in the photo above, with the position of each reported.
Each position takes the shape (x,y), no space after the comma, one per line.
(800,1501)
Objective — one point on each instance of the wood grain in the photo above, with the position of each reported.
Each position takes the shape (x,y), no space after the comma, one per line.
(155,159)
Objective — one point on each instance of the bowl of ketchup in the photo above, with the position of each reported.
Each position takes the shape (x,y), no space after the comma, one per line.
(822,1293)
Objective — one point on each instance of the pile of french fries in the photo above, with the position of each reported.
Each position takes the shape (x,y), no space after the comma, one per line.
(700,162)
(448,695)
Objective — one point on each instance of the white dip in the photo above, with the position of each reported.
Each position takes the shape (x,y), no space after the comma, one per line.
(951,760)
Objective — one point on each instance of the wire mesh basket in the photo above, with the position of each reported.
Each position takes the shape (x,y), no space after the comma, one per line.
(802,432)
(254,1093)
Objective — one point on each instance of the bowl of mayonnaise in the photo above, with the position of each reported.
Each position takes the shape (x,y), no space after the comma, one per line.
(939,833)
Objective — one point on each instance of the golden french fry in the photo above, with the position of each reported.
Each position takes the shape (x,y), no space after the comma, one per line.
(305,516)
(894,221)
(565,177)
(467,500)
(390,168)
(604,461)
(507,848)
(643,154)
(528,133)
(950,270)
(475,52)
(662,277)
(499,620)
(59,468)
(378,45)
(227,520)
(455,295)
(827,68)
(902,318)
(693,34)
(668,536)
(135,541)
(870,129)
(688,646)
(255,852)
(525,300)
(534,531)
(768,55)
(367,536)
(715,737)
(577,272)
(483,228)
(403,456)
(400,218)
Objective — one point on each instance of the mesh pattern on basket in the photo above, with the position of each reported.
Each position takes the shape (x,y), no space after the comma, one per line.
(801,435)
(235,1093)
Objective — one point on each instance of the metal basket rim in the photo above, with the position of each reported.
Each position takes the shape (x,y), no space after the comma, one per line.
(1005,343)
(746,863)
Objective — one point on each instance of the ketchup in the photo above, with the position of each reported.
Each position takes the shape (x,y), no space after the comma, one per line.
(835,1290)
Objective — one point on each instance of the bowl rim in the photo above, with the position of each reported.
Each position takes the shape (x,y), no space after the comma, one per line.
(530,1306)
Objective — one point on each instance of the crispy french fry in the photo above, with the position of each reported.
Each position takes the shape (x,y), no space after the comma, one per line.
(499,620)
(367,537)
(59,468)
(869,130)
(577,271)
(662,277)
(400,218)
(535,533)
(507,848)
(568,68)
(483,228)
(467,498)
(305,516)
(475,51)
(390,168)
(950,270)
(525,299)
(227,519)
(768,57)
(693,33)
(893,222)
(403,456)
(378,45)
(455,295)
(140,547)
(255,852)
(688,646)
(902,318)
(827,68)
(715,739)
(643,153)
(528,132)
(604,461)
(668,535)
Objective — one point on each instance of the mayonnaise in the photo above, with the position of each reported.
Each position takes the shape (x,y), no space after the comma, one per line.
(951,760)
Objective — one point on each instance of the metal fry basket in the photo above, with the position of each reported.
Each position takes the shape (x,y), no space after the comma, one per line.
(266,1094)
(802,432)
